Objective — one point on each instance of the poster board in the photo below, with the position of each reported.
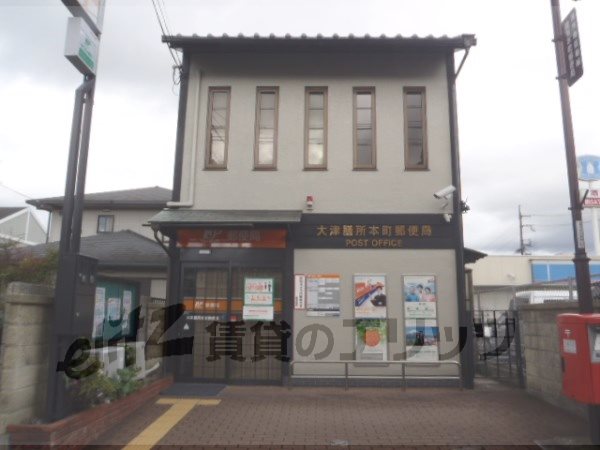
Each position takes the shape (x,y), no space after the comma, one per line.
(322,295)
(99,312)
(370,297)
(299,292)
(371,340)
(258,299)
(420,318)
(370,314)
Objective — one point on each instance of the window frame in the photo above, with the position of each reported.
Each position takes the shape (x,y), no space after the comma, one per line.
(307,92)
(207,153)
(257,117)
(355,92)
(112,223)
(415,90)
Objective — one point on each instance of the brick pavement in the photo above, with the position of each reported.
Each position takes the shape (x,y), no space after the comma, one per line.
(491,415)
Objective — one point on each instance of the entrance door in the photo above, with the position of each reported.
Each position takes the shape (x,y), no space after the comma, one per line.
(224,342)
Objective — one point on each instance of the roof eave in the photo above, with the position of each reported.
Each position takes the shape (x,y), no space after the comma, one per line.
(199,43)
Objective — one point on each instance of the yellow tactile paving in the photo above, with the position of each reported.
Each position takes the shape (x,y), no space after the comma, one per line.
(161,426)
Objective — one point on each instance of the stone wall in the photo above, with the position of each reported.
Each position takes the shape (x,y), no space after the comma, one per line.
(23,361)
(541,352)
(24,349)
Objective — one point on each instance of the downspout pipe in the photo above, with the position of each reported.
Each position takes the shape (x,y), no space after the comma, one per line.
(180,137)
(466,341)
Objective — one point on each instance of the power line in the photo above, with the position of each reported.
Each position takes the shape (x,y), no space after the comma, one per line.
(15,191)
(164,29)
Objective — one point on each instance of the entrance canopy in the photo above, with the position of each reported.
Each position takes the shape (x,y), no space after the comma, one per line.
(186,218)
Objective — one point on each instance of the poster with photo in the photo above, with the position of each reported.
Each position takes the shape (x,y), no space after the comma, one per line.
(371,340)
(370,296)
(420,288)
(422,340)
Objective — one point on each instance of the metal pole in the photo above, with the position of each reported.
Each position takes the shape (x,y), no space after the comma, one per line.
(582,268)
(521,243)
(64,291)
(581,260)
(82,167)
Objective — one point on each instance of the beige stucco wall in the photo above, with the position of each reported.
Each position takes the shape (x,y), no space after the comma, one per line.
(395,264)
(340,189)
(124,220)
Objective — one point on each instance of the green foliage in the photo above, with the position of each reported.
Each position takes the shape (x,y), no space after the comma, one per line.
(99,388)
(129,356)
(17,265)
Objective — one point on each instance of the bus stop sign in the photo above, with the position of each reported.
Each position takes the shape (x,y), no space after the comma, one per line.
(572,46)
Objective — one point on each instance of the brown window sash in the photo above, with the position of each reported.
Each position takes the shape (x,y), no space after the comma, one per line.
(362,131)
(307,128)
(217,133)
(415,129)
(263,124)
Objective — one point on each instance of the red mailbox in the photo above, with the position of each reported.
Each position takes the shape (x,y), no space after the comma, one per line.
(579,336)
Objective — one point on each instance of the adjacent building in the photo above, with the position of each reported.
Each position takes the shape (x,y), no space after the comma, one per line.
(303,206)
(20,226)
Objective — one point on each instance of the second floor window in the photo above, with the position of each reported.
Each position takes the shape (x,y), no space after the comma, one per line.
(267,111)
(364,129)
(415,137)
(106,224)
(218,128)
(315,139)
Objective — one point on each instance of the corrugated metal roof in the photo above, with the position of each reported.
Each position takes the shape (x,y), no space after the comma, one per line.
(460,41)
(171,217)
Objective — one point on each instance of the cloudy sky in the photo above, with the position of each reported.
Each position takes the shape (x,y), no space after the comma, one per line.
(512,148)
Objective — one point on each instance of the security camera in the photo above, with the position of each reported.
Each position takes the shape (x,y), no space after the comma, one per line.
(448,217)
(445,192)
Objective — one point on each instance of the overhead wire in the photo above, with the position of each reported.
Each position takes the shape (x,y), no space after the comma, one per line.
(164,29)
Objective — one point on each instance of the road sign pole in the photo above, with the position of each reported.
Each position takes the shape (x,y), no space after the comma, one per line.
(581,260)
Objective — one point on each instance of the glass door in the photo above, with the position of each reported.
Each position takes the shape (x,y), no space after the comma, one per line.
(228,348)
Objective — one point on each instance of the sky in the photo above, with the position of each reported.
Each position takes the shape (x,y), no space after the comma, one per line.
(511,141)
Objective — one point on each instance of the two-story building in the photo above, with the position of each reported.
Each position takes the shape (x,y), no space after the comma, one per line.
(316,193)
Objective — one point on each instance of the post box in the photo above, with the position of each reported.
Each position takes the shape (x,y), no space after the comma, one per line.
(579,336)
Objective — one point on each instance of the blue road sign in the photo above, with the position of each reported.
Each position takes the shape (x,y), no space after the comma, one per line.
(588,167)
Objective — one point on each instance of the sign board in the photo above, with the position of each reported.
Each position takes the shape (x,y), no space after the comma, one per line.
(323,295)
(592,200)
(92,11)
(231,238)
(258,312)
(299,292)
(588,167)
(572,46)
(81,46)
(258,291)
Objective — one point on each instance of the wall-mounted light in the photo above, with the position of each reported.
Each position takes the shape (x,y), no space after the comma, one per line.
(309,202)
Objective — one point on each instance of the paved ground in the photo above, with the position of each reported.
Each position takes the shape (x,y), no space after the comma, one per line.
(491,415)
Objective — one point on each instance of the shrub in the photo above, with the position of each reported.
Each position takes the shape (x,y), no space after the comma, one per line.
(17,265)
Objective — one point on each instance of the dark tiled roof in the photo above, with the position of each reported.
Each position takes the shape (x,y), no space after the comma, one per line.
(471,256)
(122,249)
(289,42)
(9,211)
(150,197)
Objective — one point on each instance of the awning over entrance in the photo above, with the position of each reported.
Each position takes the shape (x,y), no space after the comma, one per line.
(170,218)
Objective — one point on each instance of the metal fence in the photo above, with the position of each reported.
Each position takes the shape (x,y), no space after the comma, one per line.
(496,321)
(499,352)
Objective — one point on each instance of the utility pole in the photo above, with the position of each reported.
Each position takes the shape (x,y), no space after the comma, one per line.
(581,260)
(522,243)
